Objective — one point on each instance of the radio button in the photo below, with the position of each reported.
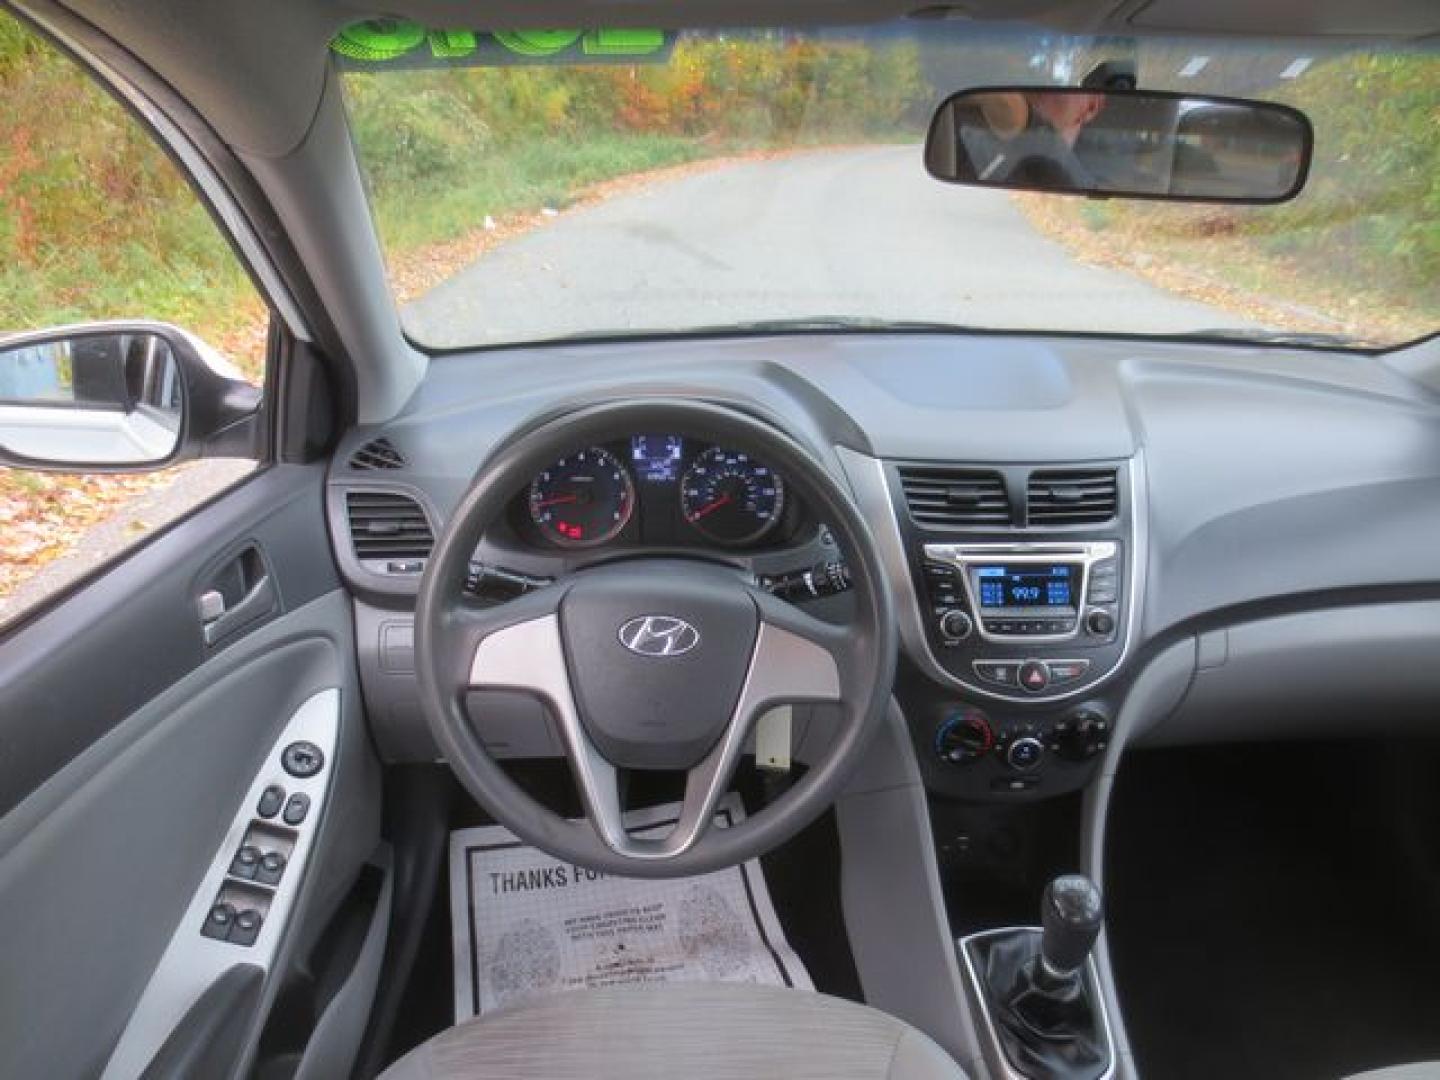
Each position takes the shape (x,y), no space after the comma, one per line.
(955,625)
(1034,676)
(998,672)
(1066,671)
(1104,584)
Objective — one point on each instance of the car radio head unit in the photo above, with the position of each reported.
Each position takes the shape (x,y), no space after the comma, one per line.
(1026,598)
(1020,587)
(1024,592)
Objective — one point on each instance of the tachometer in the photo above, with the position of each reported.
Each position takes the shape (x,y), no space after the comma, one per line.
(730,497)
(584,499)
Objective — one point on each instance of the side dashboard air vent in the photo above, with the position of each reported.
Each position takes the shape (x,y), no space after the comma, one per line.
(943,496)
(1072,496)
(387,525)
(377,454)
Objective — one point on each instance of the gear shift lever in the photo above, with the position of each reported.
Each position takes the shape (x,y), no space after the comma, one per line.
(1071,913)
(1043,1004)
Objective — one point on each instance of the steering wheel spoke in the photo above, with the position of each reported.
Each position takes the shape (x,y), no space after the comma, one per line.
(466,624)
(803,658)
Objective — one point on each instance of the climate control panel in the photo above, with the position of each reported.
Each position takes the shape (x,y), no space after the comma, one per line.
(977,753)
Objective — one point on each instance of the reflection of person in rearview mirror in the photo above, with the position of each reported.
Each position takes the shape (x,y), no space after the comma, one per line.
(1009,114)
(1023,138)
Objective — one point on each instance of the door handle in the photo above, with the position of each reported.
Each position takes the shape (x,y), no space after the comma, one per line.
(241,593)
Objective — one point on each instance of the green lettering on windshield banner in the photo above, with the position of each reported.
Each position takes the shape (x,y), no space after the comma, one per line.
(397,43)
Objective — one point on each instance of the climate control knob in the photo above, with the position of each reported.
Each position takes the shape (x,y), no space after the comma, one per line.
(964,736)
(1081,735)
(956,625)
(1024,754)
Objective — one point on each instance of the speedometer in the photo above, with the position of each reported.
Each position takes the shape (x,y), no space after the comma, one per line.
(584,499)
(731,498)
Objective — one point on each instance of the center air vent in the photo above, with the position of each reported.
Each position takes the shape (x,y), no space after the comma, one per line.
(1072,496)
(389,526)
(946,497)
(377,454)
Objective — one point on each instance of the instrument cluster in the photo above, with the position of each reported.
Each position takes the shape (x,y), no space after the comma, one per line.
(657,490)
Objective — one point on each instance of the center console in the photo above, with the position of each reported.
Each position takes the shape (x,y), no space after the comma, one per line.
(1018,590)
(1018,587)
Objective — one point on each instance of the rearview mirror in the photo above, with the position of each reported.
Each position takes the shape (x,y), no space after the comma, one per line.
(118,397)
(1130,143)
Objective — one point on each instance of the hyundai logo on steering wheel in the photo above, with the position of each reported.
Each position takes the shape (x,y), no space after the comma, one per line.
(659,635)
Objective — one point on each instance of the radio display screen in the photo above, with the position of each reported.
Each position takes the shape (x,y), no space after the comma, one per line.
(1027,585)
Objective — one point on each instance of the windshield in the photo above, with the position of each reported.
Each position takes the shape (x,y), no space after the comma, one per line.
(747,179)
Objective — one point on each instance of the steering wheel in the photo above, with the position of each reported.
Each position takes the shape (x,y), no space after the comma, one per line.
(657,663)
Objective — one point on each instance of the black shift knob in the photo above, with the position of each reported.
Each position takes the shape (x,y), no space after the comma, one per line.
(1071,913)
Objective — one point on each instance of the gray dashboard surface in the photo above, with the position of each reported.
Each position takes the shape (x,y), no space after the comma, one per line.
(1273,474)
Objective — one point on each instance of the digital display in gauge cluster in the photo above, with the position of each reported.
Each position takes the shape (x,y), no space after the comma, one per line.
(678,490)
(657,457)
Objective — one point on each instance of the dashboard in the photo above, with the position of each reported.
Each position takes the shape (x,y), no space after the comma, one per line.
(1068,524)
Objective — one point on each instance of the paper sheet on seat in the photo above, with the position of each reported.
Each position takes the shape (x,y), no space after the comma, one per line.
(526,925)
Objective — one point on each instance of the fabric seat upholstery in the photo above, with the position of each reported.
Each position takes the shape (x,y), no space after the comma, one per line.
(694,1031)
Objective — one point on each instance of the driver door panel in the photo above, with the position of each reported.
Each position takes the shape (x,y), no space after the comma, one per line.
(130,747)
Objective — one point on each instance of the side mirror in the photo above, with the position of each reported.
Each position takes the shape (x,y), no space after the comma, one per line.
(1129,143)
(119,397)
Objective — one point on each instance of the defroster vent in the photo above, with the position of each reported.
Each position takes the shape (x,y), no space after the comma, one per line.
(377,454)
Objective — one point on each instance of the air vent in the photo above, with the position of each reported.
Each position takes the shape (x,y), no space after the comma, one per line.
(949,497)
(1072,496)
(388,526)
(377,454)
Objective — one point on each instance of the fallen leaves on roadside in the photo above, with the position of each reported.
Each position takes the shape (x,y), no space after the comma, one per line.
(1210,268)
(44,515)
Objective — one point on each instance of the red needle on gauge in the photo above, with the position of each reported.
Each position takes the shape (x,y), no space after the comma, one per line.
(555,500)
(709,507)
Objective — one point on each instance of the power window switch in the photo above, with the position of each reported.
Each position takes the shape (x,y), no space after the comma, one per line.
(272,866)
(219,922)
(302,759)
(271,799)
(246,928)
(297,808)
(245,863)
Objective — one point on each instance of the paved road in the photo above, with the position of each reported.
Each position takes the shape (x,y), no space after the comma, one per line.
(848,232)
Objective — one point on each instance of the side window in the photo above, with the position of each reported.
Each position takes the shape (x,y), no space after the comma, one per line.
(96,222)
